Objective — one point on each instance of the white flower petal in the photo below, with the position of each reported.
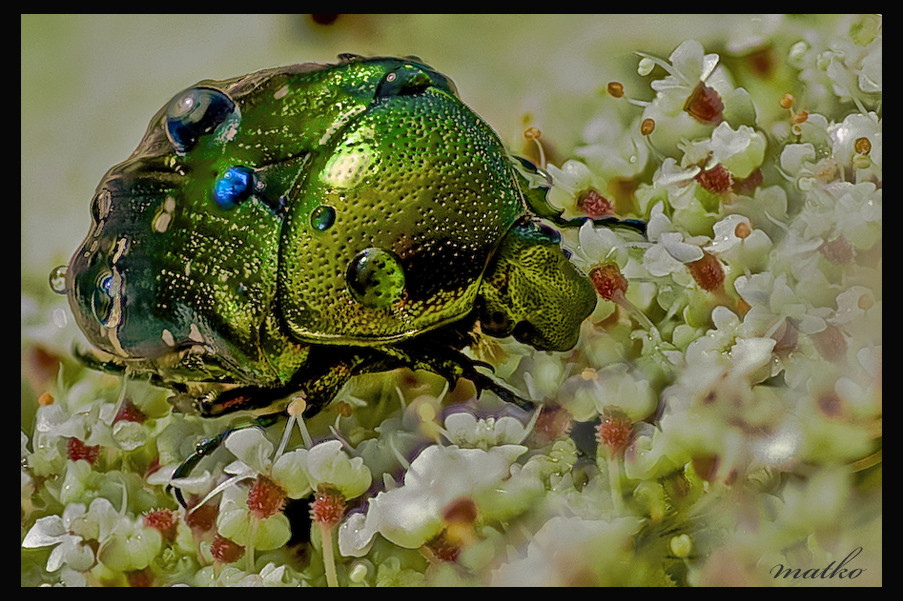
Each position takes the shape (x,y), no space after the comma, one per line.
(251,447)
(725,233)
(45,532)
(290,472)
(411,514)
(690,62)
(680,250)
(328,463)
(749,354)
(794,156)
(658,262)
(355,535)
(658,223)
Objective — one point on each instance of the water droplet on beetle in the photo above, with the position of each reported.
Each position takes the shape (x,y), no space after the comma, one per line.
(375,278)
(58,279)
(107,299)
(101,204)
(322,218)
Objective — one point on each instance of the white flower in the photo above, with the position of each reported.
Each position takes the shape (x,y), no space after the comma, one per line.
(411,515)
(680,182)
(570,183)
(234,521)
(741,152)
(68,533)
(750,355)
(465,430)
(612,149)
(327,463)
(853,210)
(688,66)
(300,471)
(852,305)
(625,389)
(772,300)
(797,157)
(597,246)
(854,71)
(871,68)
(571,178)
(854,127)
(131,546)
(737,242)
(671,249)
(565,550)
(68,549)
(714,344)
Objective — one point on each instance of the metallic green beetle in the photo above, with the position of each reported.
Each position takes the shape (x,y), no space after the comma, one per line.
(282,231)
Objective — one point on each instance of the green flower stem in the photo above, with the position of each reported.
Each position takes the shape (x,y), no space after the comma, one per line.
(249,550)
(614,479)
(328,554)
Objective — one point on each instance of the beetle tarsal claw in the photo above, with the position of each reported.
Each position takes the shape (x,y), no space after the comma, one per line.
(484,382)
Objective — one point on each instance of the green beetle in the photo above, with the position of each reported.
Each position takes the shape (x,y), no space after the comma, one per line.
(279,232)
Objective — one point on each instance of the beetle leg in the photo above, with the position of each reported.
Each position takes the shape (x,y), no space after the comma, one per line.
(93,359)
(536,184)
(452,365)
(207,446)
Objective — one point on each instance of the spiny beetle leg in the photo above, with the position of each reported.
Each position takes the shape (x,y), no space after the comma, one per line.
(208,445)
(484,382)
(452,365)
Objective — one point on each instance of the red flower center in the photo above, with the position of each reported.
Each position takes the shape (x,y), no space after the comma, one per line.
(328,507)
(265,498)
(224,550)
(594,204)
(79,450)
(838,251)
(129,412)
(704,104)
(615,432)
(716,180)
(162,520)
(608,281)
(707,272)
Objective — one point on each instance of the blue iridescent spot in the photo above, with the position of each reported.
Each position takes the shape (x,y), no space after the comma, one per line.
(233,187)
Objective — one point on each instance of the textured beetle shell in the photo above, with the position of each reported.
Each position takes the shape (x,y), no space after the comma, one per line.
(419,178)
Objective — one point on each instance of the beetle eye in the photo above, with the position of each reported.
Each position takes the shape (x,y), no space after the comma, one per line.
(195,112)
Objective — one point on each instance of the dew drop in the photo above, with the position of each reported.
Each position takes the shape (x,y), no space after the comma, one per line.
(107,299)
(322,218)
(375,278)
(58,279)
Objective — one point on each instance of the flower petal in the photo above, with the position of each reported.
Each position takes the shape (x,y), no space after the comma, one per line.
(46,531)
(252,447)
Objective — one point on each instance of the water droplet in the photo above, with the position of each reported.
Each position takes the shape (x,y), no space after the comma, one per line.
(101,204)
(235,186)
(107,301)
(375,278)
(58,279)
(322,218)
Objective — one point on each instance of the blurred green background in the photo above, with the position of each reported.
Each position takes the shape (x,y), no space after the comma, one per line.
(91,83)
